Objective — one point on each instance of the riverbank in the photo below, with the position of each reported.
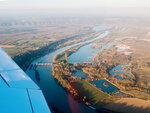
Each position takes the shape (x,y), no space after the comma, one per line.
(63,56)
(62,72)
(24,60)
(55,95)
(83,87)
(81,90)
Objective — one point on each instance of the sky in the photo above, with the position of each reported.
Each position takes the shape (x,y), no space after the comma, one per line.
(76,6)
(25,4)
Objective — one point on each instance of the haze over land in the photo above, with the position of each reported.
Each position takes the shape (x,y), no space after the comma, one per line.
(111,70)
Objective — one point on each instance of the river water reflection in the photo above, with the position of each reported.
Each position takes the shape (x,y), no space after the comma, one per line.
(55,95)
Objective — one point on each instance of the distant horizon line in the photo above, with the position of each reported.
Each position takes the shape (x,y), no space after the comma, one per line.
(73,8)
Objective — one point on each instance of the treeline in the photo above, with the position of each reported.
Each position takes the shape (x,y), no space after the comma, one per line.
(62,72)
(63,56)
(95,71)
(24,60)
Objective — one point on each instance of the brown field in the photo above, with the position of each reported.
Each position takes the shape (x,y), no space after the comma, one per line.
(140,94)
(33,33)
(130,105)
(7,46)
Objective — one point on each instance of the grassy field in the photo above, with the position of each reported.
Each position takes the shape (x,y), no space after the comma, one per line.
(93,94)
(12,50)
(34,33)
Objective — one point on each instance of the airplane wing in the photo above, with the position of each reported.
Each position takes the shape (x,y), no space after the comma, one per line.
(18,93)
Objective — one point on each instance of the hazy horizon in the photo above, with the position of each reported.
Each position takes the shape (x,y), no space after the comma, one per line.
(75,7)
(34,4)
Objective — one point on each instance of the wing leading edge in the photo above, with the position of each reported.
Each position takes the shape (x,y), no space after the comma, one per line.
(18,93)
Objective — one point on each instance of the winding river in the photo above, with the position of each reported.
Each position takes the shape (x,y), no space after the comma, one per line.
(56,97)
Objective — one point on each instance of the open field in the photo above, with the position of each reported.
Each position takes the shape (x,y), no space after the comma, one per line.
(93,94)
(7,46)
(33,33)
(130,105)
(26,40)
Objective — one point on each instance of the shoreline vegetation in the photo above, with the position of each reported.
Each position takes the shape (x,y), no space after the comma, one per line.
(62,72)
(85,92)
(82,89)
(29,40)
(63,56)
(25,59)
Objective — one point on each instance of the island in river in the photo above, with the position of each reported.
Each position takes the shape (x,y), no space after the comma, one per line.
(57,98)
(108,74)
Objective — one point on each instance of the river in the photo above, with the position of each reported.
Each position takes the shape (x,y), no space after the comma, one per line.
(55,95)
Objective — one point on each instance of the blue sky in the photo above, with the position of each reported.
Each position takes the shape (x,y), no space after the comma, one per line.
(23,4)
